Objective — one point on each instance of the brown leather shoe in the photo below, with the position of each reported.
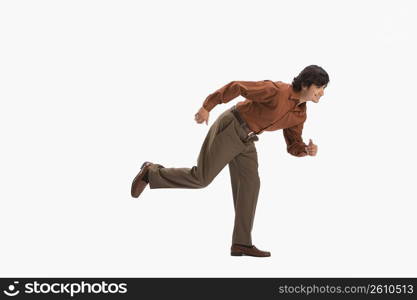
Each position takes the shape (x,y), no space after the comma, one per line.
(238,250)
(138,184)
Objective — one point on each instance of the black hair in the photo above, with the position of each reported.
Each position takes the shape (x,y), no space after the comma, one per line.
(312,74)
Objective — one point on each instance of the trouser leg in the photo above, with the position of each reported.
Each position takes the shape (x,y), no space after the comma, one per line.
(245,188)
(220,146)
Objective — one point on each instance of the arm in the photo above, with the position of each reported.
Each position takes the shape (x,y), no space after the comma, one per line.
(295,144)
(258,91)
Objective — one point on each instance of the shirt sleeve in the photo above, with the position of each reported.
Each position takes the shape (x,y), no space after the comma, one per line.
(295,144)
(257,91)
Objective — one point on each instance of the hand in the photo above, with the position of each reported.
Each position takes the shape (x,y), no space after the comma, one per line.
(311,148)
(201,116)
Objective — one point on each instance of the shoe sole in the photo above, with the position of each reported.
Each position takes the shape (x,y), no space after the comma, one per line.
(243,254)
(134,180)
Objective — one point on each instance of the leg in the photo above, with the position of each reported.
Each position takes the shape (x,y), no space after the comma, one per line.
(245,187)
(221,145)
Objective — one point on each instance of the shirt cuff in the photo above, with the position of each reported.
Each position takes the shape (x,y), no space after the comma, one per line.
(298,150)
(209,106)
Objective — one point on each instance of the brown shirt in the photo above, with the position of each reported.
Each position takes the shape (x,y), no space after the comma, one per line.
(269,105)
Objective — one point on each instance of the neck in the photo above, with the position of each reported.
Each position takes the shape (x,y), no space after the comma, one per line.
(302,98)
(301,95)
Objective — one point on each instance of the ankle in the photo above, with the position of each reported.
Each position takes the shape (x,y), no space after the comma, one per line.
(241,245)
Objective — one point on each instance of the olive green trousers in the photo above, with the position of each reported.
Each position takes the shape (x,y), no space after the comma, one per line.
(224,144)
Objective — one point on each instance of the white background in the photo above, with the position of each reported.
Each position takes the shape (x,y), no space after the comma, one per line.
(91,89)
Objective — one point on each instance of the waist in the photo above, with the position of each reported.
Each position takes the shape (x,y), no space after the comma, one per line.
(241,121)
(251,136)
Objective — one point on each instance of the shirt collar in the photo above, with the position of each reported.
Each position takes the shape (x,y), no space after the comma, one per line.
(295,96)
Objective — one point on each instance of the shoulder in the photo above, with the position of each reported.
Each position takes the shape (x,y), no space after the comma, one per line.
(282,86)
(278,86)
(283,89)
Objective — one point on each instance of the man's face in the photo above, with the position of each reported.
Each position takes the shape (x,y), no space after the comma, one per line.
(314,92)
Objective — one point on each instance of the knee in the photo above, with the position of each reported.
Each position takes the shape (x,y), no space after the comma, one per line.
(202,179)
(204,183)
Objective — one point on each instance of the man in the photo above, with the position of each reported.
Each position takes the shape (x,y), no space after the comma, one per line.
(230,140)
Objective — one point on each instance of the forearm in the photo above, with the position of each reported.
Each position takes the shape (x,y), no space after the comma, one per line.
(257,91)
(222,95)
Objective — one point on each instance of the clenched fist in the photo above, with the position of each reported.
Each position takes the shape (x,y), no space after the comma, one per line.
(311,148)
(201,116)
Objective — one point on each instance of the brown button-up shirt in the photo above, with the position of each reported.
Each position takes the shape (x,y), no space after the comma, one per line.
(269,105)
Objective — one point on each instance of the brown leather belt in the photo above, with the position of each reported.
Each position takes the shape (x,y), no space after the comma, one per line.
(251,135)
